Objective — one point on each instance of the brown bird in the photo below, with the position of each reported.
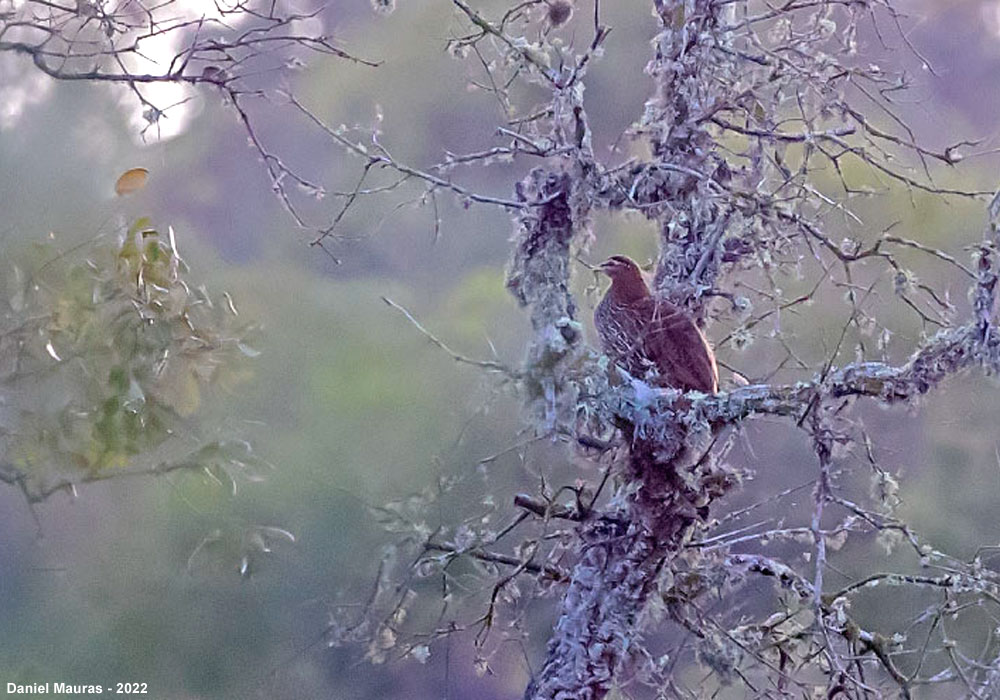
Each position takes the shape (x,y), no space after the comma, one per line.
(649,337)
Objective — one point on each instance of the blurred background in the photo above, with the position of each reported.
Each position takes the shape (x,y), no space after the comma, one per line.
(353,406)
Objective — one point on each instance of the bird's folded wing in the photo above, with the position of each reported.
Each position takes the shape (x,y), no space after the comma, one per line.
(675,345)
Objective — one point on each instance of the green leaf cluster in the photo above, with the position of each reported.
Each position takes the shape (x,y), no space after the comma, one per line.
(107,352)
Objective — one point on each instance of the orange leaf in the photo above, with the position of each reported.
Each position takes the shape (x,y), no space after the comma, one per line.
(131,181)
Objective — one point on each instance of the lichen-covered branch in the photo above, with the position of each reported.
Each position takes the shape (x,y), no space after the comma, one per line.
(758,136)
(943,356)
(714,216)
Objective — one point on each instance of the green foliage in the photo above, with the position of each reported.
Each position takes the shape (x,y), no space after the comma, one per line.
(107,353)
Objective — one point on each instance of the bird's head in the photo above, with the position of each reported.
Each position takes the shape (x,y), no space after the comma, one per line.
(626,277)
(619,267)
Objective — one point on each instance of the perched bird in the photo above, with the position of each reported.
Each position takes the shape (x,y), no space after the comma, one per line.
(649,337)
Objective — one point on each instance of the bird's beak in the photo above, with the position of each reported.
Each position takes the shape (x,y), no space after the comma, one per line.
(605,266)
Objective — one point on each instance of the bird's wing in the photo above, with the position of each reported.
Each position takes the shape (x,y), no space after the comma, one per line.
(679,350)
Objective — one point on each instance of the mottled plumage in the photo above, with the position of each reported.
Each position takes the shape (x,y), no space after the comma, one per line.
(641,332)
